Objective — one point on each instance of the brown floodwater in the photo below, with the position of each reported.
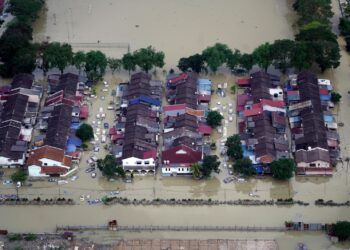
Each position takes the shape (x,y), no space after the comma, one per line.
(181,28)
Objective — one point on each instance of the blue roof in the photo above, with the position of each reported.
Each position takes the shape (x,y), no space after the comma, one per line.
(71,148)
(328,118)
(204,82)
(75,125)
(293,97)
(259,169)
(325,97)
(74,141)
(144,99)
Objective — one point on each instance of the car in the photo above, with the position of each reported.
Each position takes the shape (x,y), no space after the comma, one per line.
(228,179)
(102,97)
(105,90)
(2,173)
(230,119)
(218,103)
(93,175)
(230,111)
(105,82)
(114,192)
(99,123)
(98,116)
(106,125)
(62,182)
(104,132)
(7,182)
(230,172)
(110,108)
(103,139)
(100,110)
(93,158)
(89,170)
(96,149)
(52,180)
(74,178)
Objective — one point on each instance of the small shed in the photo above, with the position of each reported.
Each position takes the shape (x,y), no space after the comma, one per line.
(243,82)
(84,112)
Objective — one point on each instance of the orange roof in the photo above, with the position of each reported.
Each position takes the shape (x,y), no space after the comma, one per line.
(48,152)
(198,113)
(53,170)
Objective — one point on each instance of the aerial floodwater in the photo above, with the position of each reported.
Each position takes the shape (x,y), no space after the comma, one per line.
(181,28)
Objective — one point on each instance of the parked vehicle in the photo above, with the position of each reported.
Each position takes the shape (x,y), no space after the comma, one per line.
(18,184)
(52,180)
(93,175)
(94,158)
(96,149)
(103,139)
(2,173)
(7,182)
(106,125)
(110,107)
(89,170)
(228,179)
(62,182)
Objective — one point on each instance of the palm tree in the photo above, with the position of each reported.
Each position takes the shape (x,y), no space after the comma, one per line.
(196,171)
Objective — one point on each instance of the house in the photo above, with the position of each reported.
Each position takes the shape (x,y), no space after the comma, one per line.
(178,160)
(204,129)
(204,87)
(243,82)
(313,161)
(48,161)
(84,111)
(174,110)
(173,81)
(139,166)
(22,80)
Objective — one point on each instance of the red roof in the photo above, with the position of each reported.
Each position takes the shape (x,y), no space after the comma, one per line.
(112,131)
(241,100)
(181,77)
(174,107)
(324,92)
(204,129)
(293,92)
(53,170)
(243,82)
(252,112)
(117,136)
(75,154)
(204,98)
(150,154)
(84,112)
(181,154)
(272,103)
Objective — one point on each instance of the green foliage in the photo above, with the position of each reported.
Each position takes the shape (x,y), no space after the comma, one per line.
(327,54)
(14,237)
(234,147)
(85,132)
(194,62)
(58,55)
(214,119)
(335,97)
(282,53)
(262,56)
(316,31)
(301,56)
(84,146)
(129,62)
(233,89)
(26,11)
(313,10)
(282,169)
(341,229)
(344,26)
(246,61)
(244,166)
(216,56)
(147,58)
(79,60)
(233,59)
(20,175)
(114,64)
(210,163)
(96,64)
(347,40)
(108,167)
(30,237)
(24,60)
(196,170)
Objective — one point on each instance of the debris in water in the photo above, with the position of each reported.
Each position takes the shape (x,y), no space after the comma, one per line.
(137,25)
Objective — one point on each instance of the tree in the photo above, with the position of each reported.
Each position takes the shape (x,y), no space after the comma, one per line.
(313,10)
(214,119)
(19,176)
(196,170)
(344,26)
(109,168)
(85,132)
(301,56)
(234,59)
(234,147)
(147,58)
(194,62)
(25,11)
(316,31)
(114,64)
(282,169)
(210,163)
(281,52)
(24,60)
(246,61)
(216,56)
(335,97)
(327,54)
(262,56)
(341,229)
(96,64)
(129,62)
(58,55)
(79,60)
(244,166)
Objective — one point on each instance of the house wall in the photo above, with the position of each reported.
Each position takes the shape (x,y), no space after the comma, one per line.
(50,162)
(8,163)
(35,171)
(175,112)
(318,164)
(176,170)
(134,164)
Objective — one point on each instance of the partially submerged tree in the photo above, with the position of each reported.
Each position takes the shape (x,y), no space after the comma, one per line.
(114,64)
(262,56)
(217,55)
(147,58)
(194,62)
(234,147)
(282,169)
(196,170)
(96,64)
(85,132)
(214,119)
(109,168)
(58,55)
(244,166)
(129,62)
(19,176)
(335,97)
(210,163)
(341,229)
(79,60)
(281,51)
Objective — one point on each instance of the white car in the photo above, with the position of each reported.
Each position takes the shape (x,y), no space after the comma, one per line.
(218,103)
(98,116)
(7,182)
(96,149)
(230,105)
(103,139)
(74,178)
(104,132)
(230,111)
(230,119)
(100,110)
(105,90)
(105,82)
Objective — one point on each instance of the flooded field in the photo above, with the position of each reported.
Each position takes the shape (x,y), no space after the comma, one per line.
(202,23)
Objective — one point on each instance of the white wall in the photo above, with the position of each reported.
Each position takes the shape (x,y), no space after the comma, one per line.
(318,164)
(167,170)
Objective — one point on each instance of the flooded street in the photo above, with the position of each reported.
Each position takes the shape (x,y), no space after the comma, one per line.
(181,28)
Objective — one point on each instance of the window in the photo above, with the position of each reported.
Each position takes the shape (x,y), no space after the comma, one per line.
(178,169)
(312,165)
(147,162)
(138,162)
(182,169)
(45,164)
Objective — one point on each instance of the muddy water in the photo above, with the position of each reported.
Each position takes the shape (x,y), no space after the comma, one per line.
(169,26)
(236,23)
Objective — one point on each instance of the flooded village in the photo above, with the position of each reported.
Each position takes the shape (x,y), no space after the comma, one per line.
(155,126)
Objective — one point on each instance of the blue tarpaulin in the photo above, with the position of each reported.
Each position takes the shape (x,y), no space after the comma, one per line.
(259,169)
(328,118)
(74,141)
(75,125)
(325,97)
(144,99)
(71,148)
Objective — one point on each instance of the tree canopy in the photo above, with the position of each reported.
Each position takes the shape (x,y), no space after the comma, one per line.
(114,64)
(282,169)
(210,163)
(244,166)
(147,58)
(85,132)
(129,62)
(313,10)
(234,147)
(262,56)
(282,52)
(341,229)
(196,170)
(335,97)
(58,55)
(96,64)
(216,55)
(214,119)
(19,176)
(25,11)
(194,62)
(79,60)
(109,168)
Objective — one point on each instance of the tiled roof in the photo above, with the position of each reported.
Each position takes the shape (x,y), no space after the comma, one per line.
(181,155)
(48,152)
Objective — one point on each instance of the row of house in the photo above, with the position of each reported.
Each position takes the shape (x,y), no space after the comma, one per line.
(184,123)
(56,148)
(313,127)
(262,120)
(19,104)
(136,134)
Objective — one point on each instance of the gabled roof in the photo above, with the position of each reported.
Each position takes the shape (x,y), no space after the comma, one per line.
(243,82)
(53,170)
(252,112)
(272,103)
(52,153)
(178,78)
(174,107)
(181,155)
(22,80)
(309,156)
